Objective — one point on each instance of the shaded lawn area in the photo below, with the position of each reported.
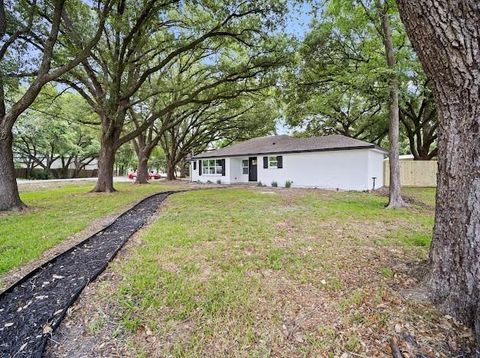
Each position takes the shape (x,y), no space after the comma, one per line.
(241,272)
(424,195)
(54,214)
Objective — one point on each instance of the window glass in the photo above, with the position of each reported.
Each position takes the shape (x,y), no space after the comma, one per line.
(212,166)
(245,166)
(272,162)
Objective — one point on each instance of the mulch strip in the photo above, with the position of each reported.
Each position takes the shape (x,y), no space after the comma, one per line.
(34,306)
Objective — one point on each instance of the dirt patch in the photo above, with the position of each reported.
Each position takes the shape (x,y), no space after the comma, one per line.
(410,200)
(90,325)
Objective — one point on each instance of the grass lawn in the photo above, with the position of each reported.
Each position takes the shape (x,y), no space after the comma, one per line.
(423,195)
(56,213)
(249,273)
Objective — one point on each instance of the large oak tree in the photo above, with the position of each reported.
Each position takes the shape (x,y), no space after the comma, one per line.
(446,36)
(143,39)
(187,76)
(29,36)
(418,116)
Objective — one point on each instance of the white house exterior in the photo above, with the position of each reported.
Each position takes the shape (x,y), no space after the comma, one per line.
(329,162)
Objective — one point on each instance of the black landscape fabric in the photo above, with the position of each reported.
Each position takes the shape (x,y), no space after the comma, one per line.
(35,305)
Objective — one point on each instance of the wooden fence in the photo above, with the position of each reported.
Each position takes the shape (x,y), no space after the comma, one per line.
(414,173)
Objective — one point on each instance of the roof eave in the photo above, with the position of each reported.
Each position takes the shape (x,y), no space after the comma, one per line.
(212,156)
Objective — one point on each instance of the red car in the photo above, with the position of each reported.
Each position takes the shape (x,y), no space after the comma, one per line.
(151,175)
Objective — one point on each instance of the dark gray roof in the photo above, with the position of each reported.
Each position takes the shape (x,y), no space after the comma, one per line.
(286,144)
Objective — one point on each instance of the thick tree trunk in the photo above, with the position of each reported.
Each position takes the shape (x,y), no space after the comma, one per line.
(143,155)
(9,197)
(142,169)
(171,170)
(28,172)
(447,41)
(185,170)
(395,198)
(106,161)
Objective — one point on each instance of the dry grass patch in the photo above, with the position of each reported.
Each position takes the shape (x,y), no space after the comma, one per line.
(302,273)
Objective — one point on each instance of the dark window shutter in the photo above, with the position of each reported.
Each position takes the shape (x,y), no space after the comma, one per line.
(223,167)
(194,165)
(200,167)
(265,162)
(279,161)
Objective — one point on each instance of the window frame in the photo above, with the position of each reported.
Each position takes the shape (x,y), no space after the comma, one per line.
(212,169)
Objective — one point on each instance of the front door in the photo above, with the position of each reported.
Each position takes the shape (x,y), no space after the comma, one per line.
(252,169)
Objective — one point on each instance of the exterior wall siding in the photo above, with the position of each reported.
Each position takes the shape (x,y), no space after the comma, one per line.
(236,175)
(375,169)
(344,170)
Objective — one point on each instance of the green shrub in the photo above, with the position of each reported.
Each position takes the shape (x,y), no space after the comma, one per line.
(259,183)
(219,181)
(288,183)
(274,184)
(40,175)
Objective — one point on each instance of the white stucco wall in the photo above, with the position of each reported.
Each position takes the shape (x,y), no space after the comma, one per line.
(236,175)
(346,170)
(375,168)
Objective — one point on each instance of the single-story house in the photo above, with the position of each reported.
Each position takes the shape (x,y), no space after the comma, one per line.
(329,162)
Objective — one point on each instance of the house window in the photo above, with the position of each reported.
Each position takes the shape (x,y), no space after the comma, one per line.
(272,162)
(245,166)
(211,167)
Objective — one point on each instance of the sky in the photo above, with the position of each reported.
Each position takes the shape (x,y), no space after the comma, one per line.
(298,19)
